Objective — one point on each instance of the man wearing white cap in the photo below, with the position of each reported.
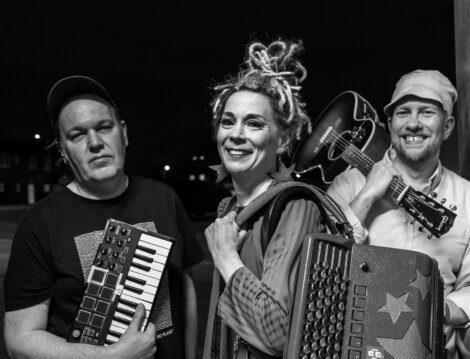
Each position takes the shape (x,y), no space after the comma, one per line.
(419,120)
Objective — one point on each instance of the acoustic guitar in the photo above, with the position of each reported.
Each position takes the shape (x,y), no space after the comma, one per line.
(347,134)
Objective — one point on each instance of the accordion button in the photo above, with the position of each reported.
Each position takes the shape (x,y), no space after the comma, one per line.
(364,267)
(306,349)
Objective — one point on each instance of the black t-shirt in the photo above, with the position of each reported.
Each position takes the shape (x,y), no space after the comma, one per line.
(56,241)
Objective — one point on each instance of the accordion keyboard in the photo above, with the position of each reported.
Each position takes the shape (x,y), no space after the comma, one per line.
(355,301)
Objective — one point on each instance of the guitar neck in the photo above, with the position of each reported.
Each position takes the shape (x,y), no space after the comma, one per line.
(364,164)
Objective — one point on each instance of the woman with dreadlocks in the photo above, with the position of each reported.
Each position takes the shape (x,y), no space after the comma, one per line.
(257,116)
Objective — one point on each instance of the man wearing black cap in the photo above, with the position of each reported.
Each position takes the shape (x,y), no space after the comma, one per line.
(419,120)
(57,239)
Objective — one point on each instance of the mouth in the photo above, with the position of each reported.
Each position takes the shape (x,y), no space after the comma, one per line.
(238,152)
(100,158)
(414,139)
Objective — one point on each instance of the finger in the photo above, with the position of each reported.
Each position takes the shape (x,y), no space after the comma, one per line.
(230,217)
(150,329)
(138,318)
(242,234)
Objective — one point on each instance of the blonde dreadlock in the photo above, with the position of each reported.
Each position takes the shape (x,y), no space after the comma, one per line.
(275,72)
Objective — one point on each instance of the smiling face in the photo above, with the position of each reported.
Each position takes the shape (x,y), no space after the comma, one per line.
(92,141)
(248,139)
(418,128)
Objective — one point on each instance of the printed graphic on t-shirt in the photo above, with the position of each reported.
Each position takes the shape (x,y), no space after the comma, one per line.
(87,246)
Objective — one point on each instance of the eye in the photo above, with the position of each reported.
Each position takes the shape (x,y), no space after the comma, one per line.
(428,113)
(401,113)
(226,122)
(256,124)
(105,128)
(75,136)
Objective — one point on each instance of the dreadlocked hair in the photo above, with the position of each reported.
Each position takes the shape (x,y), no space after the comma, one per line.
(276,72)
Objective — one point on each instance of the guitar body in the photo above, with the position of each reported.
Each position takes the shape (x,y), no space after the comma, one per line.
(355,121)
(348,134)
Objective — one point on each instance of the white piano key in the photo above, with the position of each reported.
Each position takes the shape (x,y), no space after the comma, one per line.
(111,338)
(118,327)
(157,241)
(139,297)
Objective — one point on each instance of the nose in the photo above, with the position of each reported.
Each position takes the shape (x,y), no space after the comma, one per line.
(237,133)
(414,122)
(95,142)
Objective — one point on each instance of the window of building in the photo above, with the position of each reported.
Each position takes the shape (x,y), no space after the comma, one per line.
(5,160)
(46,187)
(32,162)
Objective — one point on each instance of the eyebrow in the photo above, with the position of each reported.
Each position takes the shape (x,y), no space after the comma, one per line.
(249,115)
(99,123)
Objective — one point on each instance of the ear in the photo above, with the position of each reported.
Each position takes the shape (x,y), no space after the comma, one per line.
(63,154)
(449,124)
(282,146)
(124,133)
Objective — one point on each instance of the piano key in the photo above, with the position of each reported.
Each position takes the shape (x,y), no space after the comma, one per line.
(142,257)
(158,241)
(133,289)
(161,254)
(118,327)
(152,278)
(138,281)
(146,249)
(125,310)
(154,265)
(147,305)
(155,258)
(127,303)
(142,267)
(122,320)
(139,297)
(114,333)
(160,250)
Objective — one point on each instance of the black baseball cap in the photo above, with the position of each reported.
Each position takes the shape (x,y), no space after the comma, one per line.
(72,86)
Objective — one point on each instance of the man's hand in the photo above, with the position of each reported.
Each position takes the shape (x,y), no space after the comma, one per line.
(377,183)
(134,343)
(223,239)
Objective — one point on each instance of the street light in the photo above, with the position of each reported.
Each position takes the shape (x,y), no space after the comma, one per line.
(37,136)
(166,168)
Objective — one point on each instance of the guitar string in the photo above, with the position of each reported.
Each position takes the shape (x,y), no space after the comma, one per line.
(366,161)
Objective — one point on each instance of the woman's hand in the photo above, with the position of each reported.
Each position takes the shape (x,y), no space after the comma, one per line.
(223,239)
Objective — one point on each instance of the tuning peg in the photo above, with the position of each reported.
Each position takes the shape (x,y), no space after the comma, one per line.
(443,201)
(453,207)
(433,194)
(420,229)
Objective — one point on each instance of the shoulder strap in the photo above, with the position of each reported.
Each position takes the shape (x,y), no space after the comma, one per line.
(333,216)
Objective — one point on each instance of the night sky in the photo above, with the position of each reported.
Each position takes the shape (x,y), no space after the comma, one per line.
(159,61)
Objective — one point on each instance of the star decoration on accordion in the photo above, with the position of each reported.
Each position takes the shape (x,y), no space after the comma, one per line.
(422,283)
(410,346)
(395,306)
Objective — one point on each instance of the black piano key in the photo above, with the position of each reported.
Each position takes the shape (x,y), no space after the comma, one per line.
(125,311)
(127,302)
(135,280)
(143,258)
(108,342)
(133,289)
(114,334)
(146,249)
(141,267)
(122,320)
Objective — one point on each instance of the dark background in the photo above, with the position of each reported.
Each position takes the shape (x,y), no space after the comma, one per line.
(159,59)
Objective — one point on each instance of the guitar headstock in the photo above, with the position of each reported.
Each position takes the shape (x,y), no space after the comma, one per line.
(433,216)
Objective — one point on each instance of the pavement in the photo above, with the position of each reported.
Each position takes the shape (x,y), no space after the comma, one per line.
(9,217)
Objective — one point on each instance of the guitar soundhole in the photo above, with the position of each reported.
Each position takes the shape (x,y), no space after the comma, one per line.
(339,145)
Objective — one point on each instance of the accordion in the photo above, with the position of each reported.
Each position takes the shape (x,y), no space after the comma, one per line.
(355,301)
(127,270)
